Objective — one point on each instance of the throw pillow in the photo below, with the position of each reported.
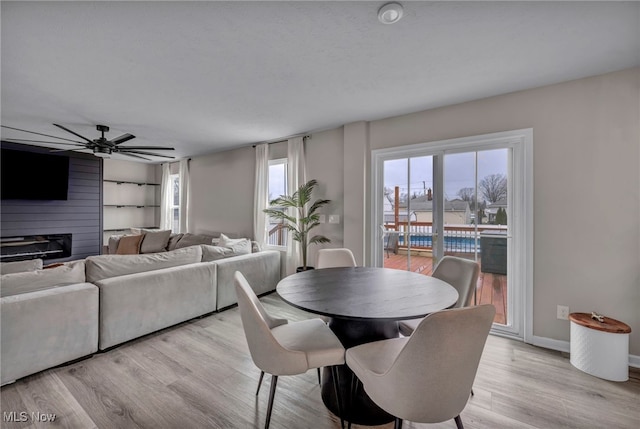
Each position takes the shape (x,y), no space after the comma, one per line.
(155,241)
(193,239)
(240,246)
(129,245)
(173,241)
(113,243)
(20,266)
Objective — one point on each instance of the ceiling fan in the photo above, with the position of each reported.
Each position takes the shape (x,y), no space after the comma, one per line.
(100,147)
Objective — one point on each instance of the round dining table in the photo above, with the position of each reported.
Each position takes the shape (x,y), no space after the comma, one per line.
(364,304)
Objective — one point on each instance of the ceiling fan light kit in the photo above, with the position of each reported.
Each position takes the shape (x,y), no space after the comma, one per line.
(101,147)
(390,13)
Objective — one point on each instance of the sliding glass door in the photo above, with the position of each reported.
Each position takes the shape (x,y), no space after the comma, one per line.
(456,198)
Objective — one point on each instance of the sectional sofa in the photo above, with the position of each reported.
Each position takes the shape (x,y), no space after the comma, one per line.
(52,316)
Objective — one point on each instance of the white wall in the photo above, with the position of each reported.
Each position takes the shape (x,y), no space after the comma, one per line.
(222,192)
(586,187)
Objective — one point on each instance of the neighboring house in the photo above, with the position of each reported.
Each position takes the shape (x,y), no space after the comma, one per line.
(492,209)
(456,212)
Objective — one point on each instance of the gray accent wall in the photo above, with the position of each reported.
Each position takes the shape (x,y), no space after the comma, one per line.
(80,215)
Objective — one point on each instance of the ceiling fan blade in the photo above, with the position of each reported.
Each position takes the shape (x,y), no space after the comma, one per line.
(73,132)
(69,150)
(146,147)
(40,134)
(135,156)
(123,138)
(42,141)
(119,150)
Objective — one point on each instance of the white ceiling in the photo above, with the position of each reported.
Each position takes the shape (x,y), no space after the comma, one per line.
(208,76)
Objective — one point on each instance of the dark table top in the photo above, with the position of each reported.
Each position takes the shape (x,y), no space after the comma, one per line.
(366,293)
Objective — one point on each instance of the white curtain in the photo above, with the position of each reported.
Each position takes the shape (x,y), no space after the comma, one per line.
(165,198)
(295,177)
(184,195)
(261,194)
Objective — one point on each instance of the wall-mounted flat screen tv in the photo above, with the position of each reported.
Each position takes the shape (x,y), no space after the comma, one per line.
(33,176)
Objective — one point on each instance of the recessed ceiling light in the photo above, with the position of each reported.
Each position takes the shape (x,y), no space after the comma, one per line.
(390,13)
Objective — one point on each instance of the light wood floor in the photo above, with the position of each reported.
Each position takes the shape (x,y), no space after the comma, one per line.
(199,375)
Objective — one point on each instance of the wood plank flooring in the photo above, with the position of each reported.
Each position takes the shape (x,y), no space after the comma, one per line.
(199,375)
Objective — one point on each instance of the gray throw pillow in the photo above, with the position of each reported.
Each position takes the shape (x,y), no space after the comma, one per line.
(173,240)
(155,241)
(193,240)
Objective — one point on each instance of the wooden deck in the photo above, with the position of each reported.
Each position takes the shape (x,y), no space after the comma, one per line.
(491,288)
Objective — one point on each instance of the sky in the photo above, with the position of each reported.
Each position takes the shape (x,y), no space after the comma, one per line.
(459,171)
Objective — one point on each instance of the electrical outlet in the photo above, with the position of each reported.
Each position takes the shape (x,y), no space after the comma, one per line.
(563,312)
(334,218)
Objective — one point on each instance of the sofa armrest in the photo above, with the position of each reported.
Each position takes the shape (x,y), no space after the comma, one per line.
(46,328)
(261,269)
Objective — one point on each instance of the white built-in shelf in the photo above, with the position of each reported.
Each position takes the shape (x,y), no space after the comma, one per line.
(125,182)
(130,205)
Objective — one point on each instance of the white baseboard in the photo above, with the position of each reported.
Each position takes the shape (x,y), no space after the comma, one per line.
(564,346)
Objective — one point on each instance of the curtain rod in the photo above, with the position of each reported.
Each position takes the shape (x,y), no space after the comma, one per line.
(304,137)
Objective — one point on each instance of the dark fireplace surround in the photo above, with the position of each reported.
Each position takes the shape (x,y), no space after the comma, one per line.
(45,246)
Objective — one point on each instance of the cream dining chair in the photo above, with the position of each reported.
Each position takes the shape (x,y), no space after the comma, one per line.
(281,348)
(425,378)
(460,273)
(333,258)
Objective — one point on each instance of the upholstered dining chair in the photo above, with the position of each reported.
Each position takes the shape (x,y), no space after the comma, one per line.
(281,348)
(460,273)
(332,258)
(425,378)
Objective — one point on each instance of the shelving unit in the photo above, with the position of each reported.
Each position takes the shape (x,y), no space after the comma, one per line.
(131,196)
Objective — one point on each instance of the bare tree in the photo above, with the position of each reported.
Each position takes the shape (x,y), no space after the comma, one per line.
(467,194)
(494,187)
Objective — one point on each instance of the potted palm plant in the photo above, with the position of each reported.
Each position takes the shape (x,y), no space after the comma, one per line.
(306,219)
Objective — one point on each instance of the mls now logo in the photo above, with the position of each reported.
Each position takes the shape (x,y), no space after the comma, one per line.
(23,416)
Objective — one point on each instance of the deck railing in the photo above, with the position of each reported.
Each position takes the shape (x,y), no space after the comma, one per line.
(277,235)
(457,238)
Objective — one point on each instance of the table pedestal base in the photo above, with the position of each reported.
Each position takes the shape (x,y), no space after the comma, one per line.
(362,410)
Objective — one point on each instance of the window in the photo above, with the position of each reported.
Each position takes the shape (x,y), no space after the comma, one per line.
(276,233)
(174,202)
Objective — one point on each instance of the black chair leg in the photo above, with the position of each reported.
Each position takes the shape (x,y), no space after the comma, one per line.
(472,394)
(272,393)
(319,381)
(458,422)
(334,374)
(260,382)
(398,424)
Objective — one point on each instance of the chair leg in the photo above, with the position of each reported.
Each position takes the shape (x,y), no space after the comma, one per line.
(334,374)
(319,381)
(398,424)
(260,382)
(458,422)
(272,393)
(472,394)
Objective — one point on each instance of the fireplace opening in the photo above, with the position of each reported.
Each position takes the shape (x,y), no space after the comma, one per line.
(21,248)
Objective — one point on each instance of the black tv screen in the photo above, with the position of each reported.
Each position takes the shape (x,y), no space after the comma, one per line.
(34,176)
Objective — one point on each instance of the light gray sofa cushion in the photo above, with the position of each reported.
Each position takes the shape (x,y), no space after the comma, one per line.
(213,253)
(46,328)
(262,271)
(155,240)
(20,266)
(17,283)
(138,304)
(107,266)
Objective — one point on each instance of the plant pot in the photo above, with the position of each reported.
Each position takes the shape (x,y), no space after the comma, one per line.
(301,269)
